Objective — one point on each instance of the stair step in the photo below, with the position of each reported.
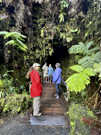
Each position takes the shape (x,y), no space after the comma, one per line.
(49,104)
(53,109)
(49,100)
(52,113)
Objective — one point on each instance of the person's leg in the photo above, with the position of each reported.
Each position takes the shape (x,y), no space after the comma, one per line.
(36,105)
(49,79)
(45,79)
(57,91)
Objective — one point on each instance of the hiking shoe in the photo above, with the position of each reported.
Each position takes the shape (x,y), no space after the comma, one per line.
(39,114)
(57,97)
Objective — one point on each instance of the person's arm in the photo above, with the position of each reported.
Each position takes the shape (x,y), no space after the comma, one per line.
(43,67)
(27,75)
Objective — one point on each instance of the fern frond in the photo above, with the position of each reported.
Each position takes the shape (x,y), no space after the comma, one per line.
(3,32)
(78,81)
(97,57)
(81,43)
(85,59)
(82,48)
(89,72)
(97,67)
(77,68)
(76,49)
(11,42)
(21,45)
(14,35)
(93,50)
(89,44)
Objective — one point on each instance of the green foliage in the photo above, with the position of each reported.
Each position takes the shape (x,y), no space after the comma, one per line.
(78,81)
(7,86)
(63,4)
(67,32)
(89,53)
(15,103)
(77,68)
(1,83)
(76,113)
(83,48)
(16,39)
(61,17)
(97,69)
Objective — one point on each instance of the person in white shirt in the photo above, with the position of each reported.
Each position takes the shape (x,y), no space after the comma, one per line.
(45,72)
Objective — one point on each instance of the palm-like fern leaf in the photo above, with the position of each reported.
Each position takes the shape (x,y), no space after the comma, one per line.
(17,39)
(3,32)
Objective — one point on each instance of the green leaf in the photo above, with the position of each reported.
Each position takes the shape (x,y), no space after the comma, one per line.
(77,68)
(14,35)
(11,42)
(89,44)
(21,45)
(69,39)
(97,67)
(77,82)
(77,49)
(3,32)
(61,17)
(1,83)
(74,30)
(89,72)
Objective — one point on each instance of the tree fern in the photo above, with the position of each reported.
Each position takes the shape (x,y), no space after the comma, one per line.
(88,61)
(89,53)
(77,68)
(16,39)
(78,81)
(81,48)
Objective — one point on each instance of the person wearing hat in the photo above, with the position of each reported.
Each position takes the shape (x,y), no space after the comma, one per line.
(57,78)
(35,88)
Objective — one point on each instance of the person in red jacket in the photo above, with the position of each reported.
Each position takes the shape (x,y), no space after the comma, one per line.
(35,88)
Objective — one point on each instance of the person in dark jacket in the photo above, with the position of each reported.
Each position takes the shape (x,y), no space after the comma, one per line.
(57,78)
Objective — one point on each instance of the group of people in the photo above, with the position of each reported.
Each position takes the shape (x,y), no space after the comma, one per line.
(47,73)
(36,85)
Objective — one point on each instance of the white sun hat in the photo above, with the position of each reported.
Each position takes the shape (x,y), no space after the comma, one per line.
(36,65)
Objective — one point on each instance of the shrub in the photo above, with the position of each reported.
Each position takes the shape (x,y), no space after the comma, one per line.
(15,103)
(76,113)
